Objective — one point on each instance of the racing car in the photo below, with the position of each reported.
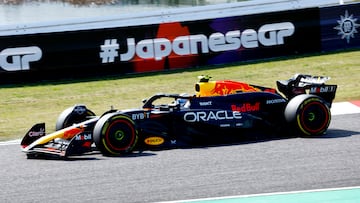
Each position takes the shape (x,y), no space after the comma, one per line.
(221,112)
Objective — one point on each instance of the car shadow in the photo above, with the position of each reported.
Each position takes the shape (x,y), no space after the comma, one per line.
(330,134)
(135,154)
(99,156)
(337,133)
(257,138)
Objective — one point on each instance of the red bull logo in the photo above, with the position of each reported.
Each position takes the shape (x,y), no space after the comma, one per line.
(68,134)
(231,87)
(225,87)
(246,107)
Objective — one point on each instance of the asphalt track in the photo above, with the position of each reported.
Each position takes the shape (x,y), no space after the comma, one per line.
(272,166)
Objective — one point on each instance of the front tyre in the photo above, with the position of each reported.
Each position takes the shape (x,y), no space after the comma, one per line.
(115,134)
(308,114)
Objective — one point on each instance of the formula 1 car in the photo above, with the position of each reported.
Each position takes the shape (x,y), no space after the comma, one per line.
(221,112)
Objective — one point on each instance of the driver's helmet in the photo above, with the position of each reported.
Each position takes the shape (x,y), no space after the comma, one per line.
(183,102)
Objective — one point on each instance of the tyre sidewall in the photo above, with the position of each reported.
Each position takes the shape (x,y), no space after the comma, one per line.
(115,134)
(308,114)
(68,117)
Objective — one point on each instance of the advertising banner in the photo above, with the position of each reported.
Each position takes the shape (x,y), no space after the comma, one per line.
(340,27)
(160,47)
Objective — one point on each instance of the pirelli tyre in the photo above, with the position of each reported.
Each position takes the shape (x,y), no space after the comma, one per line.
(74,114)
(308,114)
(115,134)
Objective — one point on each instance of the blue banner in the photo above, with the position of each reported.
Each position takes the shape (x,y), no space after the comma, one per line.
(340,27)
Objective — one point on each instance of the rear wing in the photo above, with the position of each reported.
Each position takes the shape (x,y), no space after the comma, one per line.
(307,84)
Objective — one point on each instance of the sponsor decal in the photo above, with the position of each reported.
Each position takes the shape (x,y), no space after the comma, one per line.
(246,107)
(37,134)
(331,88)
(226,125)
(80,110)
(347,26)
(154,141)
(140,116)
(160,48)
(16,59)
(208,103)
(239,124)
(211,115)
(72,132)
(275,101)
(227,87)
(84,136)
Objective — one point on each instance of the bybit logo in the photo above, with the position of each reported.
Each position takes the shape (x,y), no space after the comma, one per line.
(15,59)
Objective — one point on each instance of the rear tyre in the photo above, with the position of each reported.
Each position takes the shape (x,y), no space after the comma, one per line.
(308,114)
(115,134)
(75,114)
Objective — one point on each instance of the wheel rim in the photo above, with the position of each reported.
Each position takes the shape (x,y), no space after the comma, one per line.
(314,118)
(119,136)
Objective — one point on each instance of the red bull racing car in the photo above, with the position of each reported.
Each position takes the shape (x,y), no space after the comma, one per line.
(221,112)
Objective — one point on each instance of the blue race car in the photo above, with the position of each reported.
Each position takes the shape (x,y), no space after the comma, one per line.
(221,112)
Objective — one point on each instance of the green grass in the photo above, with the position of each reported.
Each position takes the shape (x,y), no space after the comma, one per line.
(22,106)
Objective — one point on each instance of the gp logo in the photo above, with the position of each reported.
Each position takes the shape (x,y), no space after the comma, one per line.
(16,59)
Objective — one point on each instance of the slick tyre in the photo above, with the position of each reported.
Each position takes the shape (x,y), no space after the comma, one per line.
(308,115)
(75,114)
(115,134)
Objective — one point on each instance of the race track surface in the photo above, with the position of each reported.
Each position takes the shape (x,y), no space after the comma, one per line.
(261,167)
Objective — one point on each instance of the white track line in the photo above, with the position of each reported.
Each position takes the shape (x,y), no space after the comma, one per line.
(11,142)
(261,194)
